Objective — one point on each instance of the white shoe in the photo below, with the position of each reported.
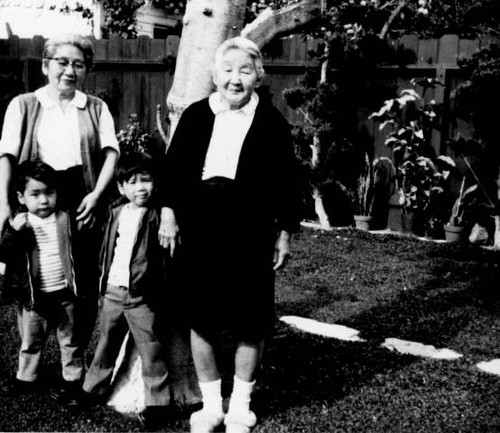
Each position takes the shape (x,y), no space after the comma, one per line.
(240,422)
(204,421)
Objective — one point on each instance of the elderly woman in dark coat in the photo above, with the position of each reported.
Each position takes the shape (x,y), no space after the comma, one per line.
(230,194)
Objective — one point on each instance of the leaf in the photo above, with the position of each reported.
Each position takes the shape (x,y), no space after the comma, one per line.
(384,124)
(448,160)
(470,190)
(410,93)
(385,108)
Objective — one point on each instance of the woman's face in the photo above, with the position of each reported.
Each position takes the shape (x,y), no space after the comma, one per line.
(236,78)
(64,69)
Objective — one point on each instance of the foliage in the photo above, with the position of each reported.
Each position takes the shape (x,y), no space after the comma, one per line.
(420,177)
(68,7)
(476,101)
(171,6)
(133,139)
(119,18)
(355,21)
(476,98)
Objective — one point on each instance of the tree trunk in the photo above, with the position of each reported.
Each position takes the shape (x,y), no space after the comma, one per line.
(319,206)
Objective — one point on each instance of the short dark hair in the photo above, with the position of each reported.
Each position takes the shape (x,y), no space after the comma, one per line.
(37,170)
(133,163)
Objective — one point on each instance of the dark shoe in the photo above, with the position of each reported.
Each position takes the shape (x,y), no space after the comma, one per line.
(67,393)
(88,399)
(151,417)
(17,387)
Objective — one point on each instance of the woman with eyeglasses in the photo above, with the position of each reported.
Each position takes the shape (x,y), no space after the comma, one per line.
(74,133)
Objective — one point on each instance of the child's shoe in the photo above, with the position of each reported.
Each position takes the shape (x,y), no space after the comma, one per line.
(240,422)
(150,418)
(204,421)
(67,393)
(15,386)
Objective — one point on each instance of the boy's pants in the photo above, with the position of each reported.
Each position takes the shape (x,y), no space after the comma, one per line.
(119,314)
(53,310)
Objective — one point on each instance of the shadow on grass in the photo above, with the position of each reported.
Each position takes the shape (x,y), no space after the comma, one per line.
(430,293)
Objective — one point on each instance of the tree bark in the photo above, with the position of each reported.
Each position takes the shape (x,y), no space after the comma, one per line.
(319,206)
(282,22)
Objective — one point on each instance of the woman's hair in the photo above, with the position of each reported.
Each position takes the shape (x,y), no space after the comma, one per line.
(83,43)
(245,45)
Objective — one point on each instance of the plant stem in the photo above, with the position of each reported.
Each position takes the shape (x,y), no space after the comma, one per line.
(477,180)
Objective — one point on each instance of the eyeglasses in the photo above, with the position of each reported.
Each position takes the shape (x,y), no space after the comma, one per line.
(63,62)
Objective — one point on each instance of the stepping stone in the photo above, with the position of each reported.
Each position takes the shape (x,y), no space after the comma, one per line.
(490,366)
(324,329)
(419,349)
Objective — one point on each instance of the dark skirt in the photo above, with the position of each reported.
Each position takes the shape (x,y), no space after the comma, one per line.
(227,266)
(85,245)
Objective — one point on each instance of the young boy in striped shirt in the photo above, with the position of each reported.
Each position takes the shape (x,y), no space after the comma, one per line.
(40,278)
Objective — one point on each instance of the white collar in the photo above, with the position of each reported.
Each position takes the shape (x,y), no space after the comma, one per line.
(36,220)
(42,94)
(218,105)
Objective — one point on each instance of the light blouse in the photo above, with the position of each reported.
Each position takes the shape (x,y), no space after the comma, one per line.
(228,134)
(59,133)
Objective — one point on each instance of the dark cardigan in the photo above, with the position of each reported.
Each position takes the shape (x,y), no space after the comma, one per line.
(228,228)
(266,173)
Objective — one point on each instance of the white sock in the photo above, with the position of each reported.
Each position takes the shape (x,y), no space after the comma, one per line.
(211,395)
(240,397)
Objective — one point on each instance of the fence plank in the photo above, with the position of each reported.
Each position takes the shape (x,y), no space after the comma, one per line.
(448,50)
(467,47)
(427,51)
(408,47)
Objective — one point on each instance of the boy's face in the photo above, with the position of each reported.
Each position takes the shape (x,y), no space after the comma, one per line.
(39,199)
(138,189)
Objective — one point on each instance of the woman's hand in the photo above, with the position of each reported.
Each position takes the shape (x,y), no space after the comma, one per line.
(85,216)
(169,230)
(281,250)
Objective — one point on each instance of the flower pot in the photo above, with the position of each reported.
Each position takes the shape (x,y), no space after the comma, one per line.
(362,222)
(453,233)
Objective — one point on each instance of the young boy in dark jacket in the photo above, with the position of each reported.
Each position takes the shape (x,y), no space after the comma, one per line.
(132,278)
(39,276)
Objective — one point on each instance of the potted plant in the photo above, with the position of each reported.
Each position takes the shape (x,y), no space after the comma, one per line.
(455,225)
(372,184)
(418,173)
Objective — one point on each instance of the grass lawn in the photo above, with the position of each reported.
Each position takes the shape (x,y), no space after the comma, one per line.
(385,286)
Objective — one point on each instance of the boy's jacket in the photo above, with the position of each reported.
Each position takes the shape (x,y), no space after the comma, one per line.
(19,252)
(149,258)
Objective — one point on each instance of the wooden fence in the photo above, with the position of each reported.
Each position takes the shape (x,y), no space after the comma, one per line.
(134,76)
